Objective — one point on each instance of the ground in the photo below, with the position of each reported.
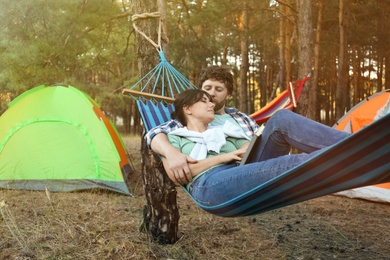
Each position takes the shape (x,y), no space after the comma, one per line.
(105,225)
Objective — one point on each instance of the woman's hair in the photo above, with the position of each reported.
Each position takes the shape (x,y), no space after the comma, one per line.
(220,73)
(185,99)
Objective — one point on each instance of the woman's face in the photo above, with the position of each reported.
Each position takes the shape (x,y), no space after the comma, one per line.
(202,110)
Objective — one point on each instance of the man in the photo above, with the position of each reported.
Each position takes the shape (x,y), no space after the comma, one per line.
(218,82)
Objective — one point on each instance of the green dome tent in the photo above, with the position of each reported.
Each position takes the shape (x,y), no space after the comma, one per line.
(57,138)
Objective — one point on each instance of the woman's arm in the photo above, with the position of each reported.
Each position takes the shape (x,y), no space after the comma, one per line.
(207,163)
(245,146)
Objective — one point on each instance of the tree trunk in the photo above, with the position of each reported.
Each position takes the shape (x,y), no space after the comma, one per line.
(244,61)
(224,58)
(355,75)
(289,38)
(341,75)
(387,71)
(314,108)
(160,217)
(304,52)
(282,49)
(380,73)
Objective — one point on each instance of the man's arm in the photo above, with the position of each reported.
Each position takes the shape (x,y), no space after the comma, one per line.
(175,163)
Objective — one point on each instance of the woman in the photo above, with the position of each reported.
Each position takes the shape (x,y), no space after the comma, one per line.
(216,176)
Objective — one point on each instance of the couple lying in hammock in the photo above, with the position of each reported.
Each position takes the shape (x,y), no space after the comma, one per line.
(215,138)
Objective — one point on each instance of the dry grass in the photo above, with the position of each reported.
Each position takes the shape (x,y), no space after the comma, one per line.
(104,225)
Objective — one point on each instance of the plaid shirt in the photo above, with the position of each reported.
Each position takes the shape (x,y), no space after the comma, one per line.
(247,123)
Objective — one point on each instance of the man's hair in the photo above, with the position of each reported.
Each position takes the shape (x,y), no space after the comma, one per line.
(185,99)
(220,73)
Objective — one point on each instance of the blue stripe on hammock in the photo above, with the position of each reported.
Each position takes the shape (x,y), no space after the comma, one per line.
(360,160)
(154,115)
(166,115)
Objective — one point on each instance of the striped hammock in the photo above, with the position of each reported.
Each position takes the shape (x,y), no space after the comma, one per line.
(360,160)
(288,99)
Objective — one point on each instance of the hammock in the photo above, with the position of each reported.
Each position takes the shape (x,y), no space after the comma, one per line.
(156,91)
(360,160)
(156,108)
(165,78)
(288,99)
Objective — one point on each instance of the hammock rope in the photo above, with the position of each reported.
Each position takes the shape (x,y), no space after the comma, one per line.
(163,78)
(136,17)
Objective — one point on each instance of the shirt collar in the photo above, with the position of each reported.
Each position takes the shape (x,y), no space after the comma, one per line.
(230,110)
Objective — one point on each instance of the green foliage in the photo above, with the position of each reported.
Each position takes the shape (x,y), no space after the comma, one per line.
(207,26)
(111,104)
(85,44)
(79,43)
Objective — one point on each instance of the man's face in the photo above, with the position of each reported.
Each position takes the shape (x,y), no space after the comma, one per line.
(218,92)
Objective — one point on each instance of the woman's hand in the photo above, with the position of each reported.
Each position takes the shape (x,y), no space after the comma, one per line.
(207,163)
(233,156)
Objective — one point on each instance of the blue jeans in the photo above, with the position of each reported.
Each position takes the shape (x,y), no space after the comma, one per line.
(283,130)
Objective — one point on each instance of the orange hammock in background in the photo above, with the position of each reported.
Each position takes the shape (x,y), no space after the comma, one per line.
(288,99)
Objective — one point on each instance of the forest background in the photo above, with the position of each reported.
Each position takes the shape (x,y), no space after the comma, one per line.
(91,45)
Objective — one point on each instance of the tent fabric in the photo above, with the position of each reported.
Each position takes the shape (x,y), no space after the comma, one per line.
(358,117)
(56,138)
(363,113)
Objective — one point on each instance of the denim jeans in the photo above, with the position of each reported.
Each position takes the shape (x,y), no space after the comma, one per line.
(283,130)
